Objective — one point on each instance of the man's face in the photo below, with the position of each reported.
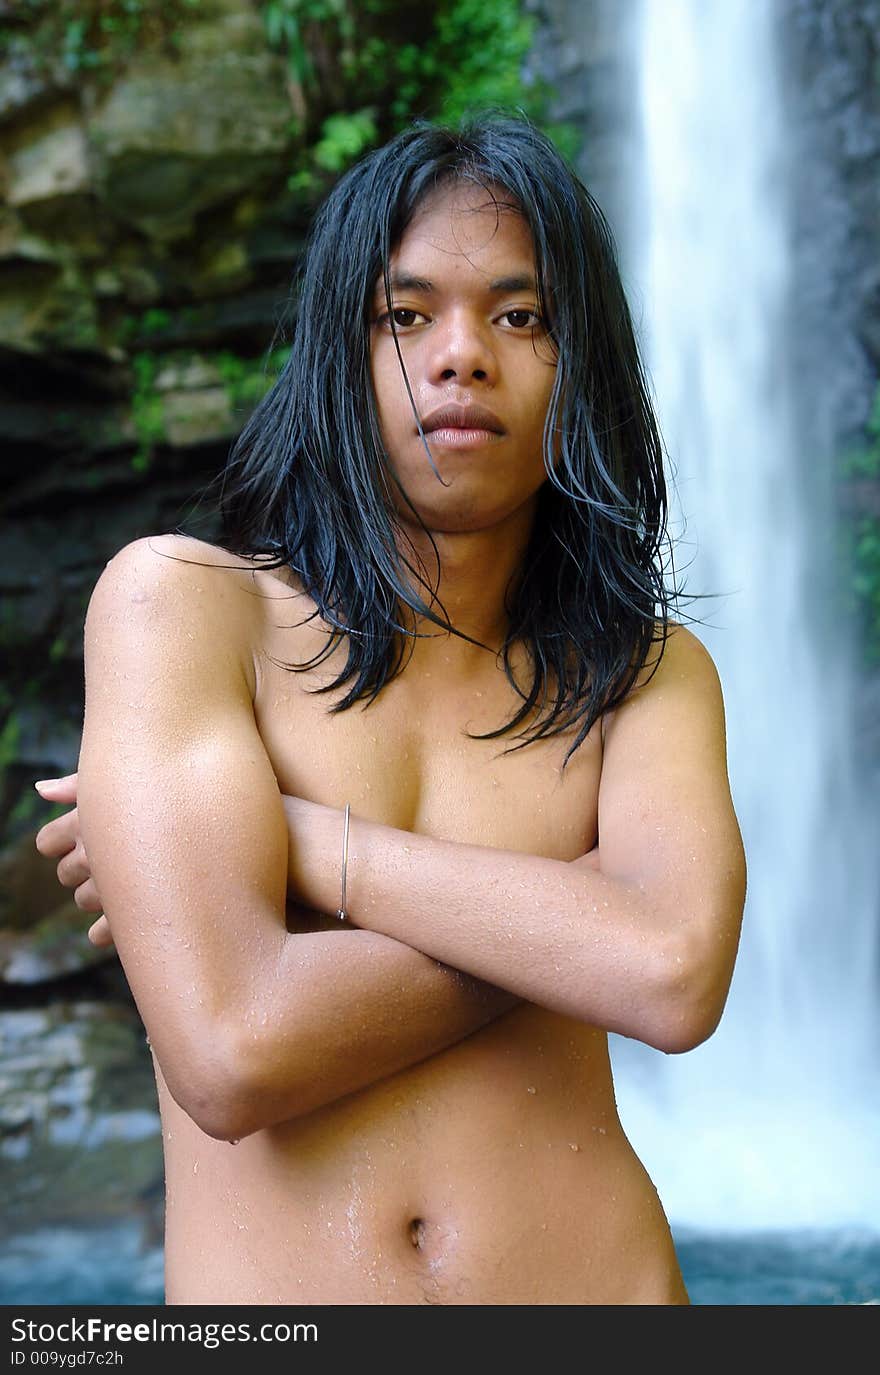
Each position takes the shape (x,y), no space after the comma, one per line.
(465,304)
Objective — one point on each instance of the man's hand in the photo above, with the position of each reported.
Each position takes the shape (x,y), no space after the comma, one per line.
(60,839)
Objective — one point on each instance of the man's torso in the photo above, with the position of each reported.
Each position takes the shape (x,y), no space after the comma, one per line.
(493,1172)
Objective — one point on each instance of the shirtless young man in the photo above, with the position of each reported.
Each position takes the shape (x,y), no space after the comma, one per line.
(415,1105)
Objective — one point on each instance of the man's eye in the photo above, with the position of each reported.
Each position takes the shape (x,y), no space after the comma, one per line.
(521,319)
(402,316)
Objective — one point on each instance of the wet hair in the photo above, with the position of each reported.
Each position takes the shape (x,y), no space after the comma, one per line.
(308,481)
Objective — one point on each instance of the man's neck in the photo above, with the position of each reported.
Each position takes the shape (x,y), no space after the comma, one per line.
(476,568)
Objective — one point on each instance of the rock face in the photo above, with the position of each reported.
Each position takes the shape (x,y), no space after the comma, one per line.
(41,928)
(147,242)
(79,1131)
(585,52)
(831,49)
(149,190)
(831,52)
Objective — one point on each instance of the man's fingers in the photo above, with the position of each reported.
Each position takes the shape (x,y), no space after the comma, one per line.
(87,897)
(74,868)
(58,837)
(58,789)
(99,932)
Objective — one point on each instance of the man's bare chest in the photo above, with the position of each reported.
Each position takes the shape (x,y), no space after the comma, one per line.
(409,759)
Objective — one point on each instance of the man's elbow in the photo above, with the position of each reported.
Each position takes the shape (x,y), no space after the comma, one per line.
(217,1115)
(685,1031)
(210,1095)
(258,1084)
(691,1004)
(216,1086)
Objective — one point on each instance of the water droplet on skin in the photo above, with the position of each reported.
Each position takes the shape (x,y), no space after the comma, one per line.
(531,1089)
(195,1167)
(234,1140)
(573,1146)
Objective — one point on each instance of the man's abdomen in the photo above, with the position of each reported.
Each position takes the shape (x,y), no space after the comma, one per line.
(496,1172)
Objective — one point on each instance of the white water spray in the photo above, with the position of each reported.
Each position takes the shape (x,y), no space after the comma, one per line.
(775,1121)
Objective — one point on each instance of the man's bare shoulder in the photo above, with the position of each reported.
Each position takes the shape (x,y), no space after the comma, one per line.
(156,565)
(163,554)
(178,593)
(674,652)
(677,651)
(191,589)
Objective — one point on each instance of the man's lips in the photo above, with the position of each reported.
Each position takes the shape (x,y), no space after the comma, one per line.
(467,420)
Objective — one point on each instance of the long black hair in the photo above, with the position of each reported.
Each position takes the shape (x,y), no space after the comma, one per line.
(307,483)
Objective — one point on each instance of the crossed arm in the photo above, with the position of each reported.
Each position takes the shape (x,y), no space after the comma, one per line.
(252,1024)
(366,1005)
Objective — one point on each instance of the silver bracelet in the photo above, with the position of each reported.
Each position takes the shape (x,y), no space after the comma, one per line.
(342,914)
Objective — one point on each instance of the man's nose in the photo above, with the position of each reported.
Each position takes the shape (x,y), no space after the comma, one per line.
(463,352)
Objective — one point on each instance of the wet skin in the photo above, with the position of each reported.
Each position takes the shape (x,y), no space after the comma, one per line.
(496,1171)
(493,1172)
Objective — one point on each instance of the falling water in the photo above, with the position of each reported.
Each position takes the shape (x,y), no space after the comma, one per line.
(774,1121)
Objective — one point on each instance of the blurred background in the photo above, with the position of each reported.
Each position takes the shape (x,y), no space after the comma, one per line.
(161,161)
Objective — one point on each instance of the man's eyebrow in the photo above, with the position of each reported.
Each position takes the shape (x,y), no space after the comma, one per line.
(406,281)
(521,281)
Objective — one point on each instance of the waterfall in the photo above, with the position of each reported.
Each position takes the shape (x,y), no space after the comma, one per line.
(774,1121)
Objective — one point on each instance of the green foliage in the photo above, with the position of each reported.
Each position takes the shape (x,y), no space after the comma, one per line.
(154,321)
(390,64)
(474,61)
(10,732)
(147,413)
(9,738)
(864,459)
(343,138)
(27,809)
(247,379)
(860,540)
(861,548)
(92,37)
(287,22)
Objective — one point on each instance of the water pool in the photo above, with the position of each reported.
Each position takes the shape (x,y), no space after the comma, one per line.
(108,1265)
